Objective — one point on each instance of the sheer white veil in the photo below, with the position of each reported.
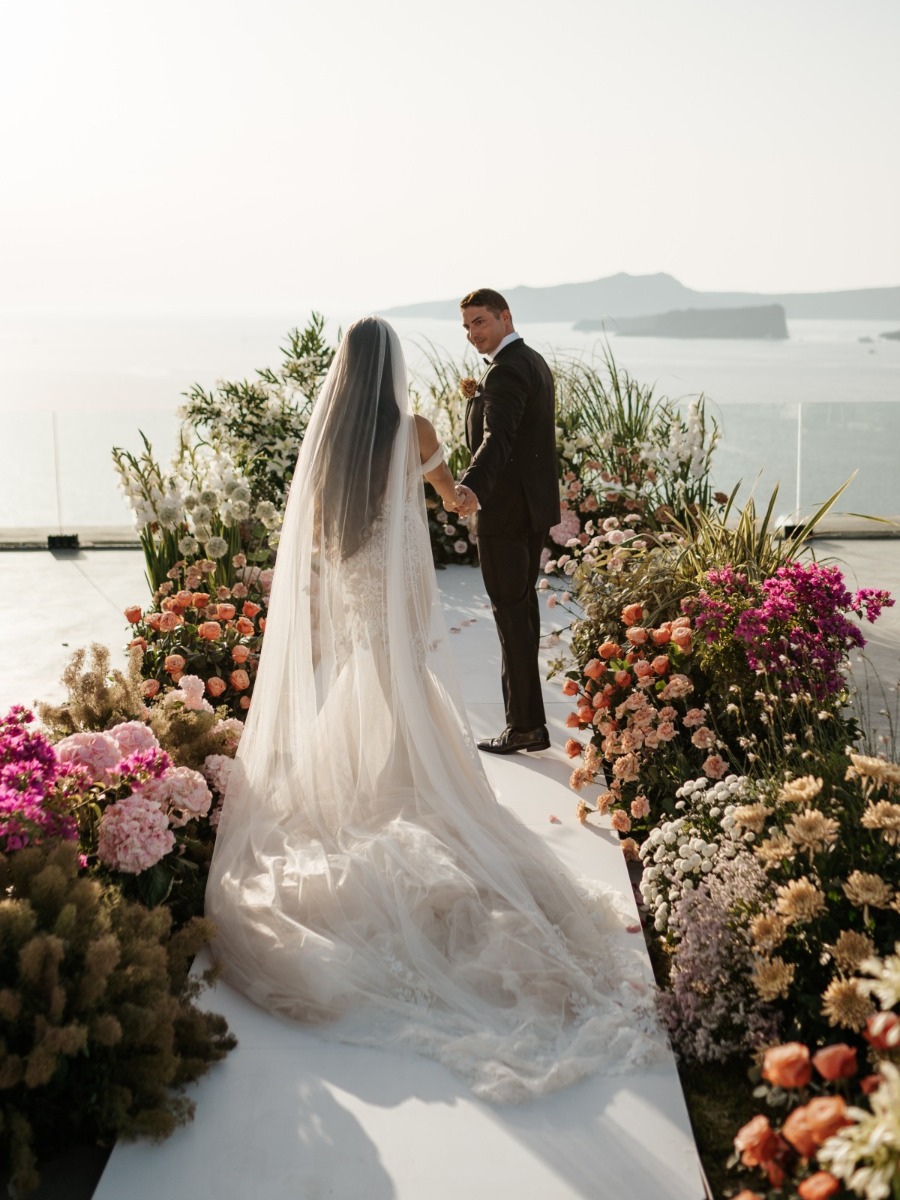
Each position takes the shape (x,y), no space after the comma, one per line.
(363,872)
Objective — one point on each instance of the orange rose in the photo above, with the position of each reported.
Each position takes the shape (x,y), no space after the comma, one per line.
(133,614)
(138,641)
(185,599)
(593,669)
(210,630)
(573,748)
(200,599)
(244,627)
(573,721)
(215,686)
(632,613)
(149,688)
(226,612)
(240,654)
(586,715)
(748,1195)
(660,664)
(239,680)
(609,650)
(819,1186)
(757,1142)
(262,624)
(570,688)
(662,635)
(836,1062)
(623,678)
(249,609)
(153,620)
(637,635)
(174,662)
(787,1066)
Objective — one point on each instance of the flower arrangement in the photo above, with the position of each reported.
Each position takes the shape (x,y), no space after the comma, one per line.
(211,635)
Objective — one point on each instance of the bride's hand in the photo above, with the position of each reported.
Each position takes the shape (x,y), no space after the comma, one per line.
(451,502)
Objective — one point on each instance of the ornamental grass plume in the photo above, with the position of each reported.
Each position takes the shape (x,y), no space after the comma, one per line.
(97,1017)
(98,696)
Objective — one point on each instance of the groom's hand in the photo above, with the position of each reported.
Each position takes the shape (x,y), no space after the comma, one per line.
(466,500)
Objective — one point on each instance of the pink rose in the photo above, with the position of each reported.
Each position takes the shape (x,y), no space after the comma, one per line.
(715,766)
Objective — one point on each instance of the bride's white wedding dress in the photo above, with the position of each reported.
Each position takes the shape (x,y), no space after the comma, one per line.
(364,874)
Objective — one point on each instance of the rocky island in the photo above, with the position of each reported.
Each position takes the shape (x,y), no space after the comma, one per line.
(758,321)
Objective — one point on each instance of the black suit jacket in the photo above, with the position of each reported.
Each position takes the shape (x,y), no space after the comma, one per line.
(511,431)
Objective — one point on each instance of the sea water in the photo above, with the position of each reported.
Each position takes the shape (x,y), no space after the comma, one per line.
(804,414)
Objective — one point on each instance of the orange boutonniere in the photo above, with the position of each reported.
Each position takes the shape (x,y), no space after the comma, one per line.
(468,387)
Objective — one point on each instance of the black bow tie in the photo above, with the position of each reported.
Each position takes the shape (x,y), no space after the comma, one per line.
(489,361)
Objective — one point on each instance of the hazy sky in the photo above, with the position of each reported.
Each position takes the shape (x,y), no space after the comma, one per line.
(212,156)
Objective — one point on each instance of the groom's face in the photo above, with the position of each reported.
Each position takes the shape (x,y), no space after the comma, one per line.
(485,329)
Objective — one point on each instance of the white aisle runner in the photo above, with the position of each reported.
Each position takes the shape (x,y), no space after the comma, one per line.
(290,1115)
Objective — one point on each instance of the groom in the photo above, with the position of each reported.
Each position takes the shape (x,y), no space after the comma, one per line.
(513,486)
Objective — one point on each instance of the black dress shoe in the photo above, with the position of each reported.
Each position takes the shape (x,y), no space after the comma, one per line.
(512,740)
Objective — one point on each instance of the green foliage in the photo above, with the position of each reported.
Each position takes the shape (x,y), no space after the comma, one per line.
(99,1032)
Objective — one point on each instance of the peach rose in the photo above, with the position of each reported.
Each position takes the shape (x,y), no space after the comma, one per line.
(133,614)
(661,636)
(808,1127)
(573,748)
(746,1194)
(210,630)
(609,650)
(244,627)
(870,1083)
(138,641)
(215,686)
(573,721)
(149,688)
(153,621)
(682,638)
(660,664)
(637,635)
(585,714)
(200,599)
(244,702)
(757,1142)
(240,654)
(184,598)
(819,1186)
(570,688)
(239,680)
(623,678)
(262,624)
(169,621)
(787,1066)
(620,821)
(225,612)
(249,609)
(836,1062)
(593,669)
(632,613)
(174,662)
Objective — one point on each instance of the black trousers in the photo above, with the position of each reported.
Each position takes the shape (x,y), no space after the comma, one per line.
(510,566)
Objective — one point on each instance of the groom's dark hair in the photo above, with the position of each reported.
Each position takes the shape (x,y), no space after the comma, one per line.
(485,298)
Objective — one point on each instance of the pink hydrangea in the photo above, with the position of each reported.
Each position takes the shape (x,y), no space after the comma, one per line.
(217,769)
(190,693)
(134,835)
(97,753)
(133,736)
(181,793)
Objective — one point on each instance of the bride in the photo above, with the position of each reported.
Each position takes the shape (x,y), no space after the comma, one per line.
(364,874)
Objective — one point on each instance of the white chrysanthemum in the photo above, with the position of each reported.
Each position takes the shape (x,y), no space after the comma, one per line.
(886,975)
(866,1154)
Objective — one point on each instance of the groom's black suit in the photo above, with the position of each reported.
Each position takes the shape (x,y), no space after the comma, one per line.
(511,431)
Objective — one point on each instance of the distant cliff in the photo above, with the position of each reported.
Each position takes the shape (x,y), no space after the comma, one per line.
(760,321)
(635,295)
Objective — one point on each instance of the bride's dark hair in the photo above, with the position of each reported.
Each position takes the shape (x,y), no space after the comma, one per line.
(352,470)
